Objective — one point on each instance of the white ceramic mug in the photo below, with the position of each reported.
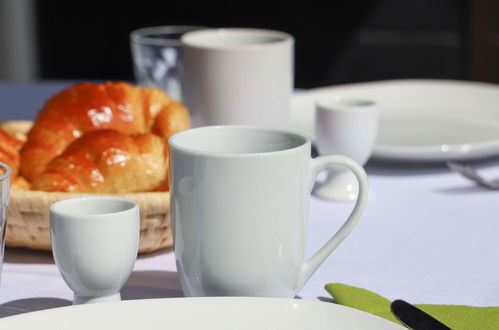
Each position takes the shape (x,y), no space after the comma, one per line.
(238,76)
(95,242)
(239,201)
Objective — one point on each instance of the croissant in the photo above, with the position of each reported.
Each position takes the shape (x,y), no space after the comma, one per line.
(9,154)
(9,151)
(86,107)
(108,161)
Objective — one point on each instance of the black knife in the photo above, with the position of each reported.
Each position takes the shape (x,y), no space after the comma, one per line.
(414,318)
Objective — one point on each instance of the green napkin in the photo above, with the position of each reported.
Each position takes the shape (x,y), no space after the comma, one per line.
(454,316)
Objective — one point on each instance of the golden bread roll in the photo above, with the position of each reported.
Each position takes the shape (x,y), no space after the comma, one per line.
(87,107)
(9,154)
(20,183)
(9,151)
(17,128)
(108,161)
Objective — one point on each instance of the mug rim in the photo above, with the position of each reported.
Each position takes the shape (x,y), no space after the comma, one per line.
(223,154)
(8,172)
(143,35)
(55,207)
(188,39)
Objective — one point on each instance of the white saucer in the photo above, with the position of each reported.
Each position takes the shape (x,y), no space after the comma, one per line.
(201,313)
(421,120)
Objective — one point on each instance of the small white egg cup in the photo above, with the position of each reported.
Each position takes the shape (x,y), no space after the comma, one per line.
(346,126)
(95,243)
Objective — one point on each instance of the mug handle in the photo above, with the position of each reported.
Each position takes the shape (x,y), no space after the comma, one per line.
(317,165)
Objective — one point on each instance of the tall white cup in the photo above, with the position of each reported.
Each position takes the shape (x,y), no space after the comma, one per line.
(238,76)
(239,203)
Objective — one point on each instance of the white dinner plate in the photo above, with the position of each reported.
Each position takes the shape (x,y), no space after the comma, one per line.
(420,119)
(200,313)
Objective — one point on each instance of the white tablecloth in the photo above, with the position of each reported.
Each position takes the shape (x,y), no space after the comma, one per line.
(427,236)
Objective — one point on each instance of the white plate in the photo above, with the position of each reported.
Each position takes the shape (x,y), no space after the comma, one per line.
(421,120)
(200,313)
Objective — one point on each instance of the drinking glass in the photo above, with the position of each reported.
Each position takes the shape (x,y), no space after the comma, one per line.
(5,173)
(156,54)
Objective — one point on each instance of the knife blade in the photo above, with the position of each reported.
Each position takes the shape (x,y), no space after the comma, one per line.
(414,318)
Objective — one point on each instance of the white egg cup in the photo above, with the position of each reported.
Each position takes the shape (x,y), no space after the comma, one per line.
(349,127)
(95,244)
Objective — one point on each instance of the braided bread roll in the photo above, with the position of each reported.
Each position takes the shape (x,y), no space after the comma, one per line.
(86,107)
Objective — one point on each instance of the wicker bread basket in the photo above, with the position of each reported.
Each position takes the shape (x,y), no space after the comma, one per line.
(28,221)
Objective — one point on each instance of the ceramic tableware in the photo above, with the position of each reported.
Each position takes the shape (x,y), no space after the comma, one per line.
(157,57)
(422,120)
(95,242)
(346,126)
(239,75)
(239,198)
(220,313)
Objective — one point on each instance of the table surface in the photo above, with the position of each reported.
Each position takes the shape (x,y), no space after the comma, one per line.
(427,235)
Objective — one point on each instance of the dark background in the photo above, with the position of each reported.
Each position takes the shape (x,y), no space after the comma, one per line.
(336,42)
